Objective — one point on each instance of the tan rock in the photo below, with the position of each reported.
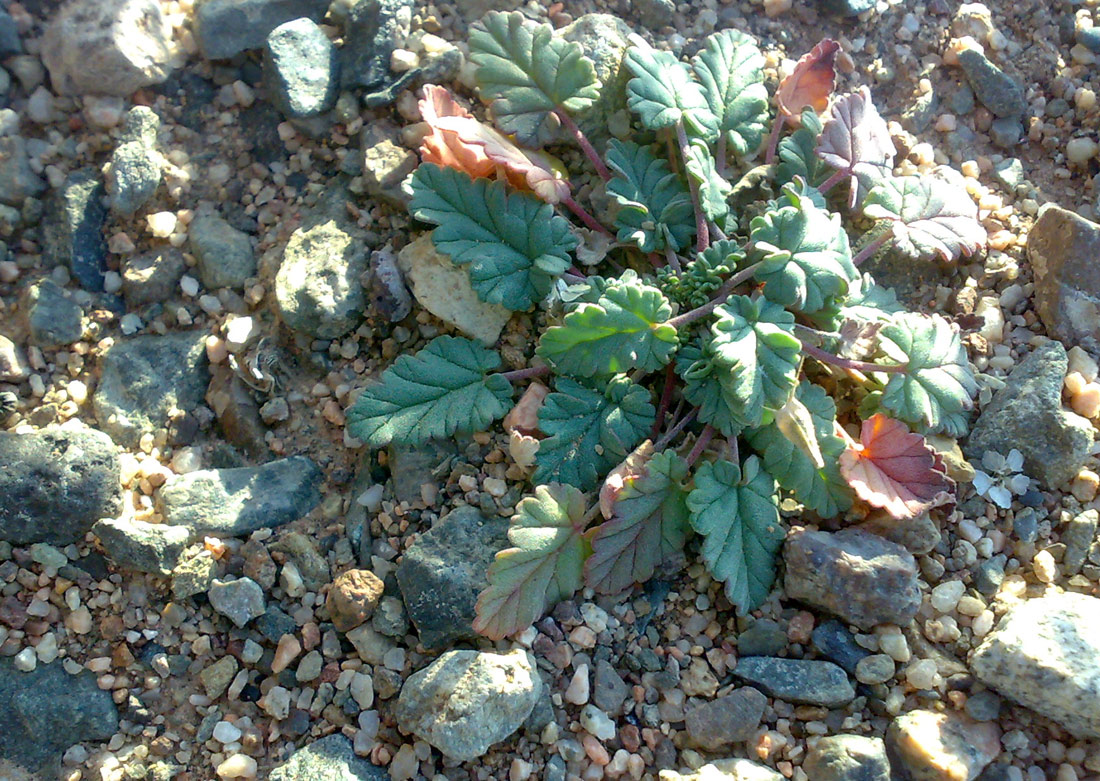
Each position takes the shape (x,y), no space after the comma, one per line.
(942,746)
(353,597)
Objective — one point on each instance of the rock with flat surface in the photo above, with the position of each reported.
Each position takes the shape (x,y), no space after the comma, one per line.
(238,599)
(1062,247)
(997,91)
(153,276)
(72,228)
(735,769)
(808,681)
(331,758)
(146,547)
(223,254)
(300,65)
(730,719)
(53,319)
(848,758)
(228,27)
(931,746)
(17,179)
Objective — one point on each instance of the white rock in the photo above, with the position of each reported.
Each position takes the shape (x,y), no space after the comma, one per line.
(26,660)
(577,691)
(237,766)
(226,732)
(946,595)
(597,723)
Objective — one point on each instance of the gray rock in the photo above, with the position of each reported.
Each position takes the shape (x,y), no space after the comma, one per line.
(1009,173)
(146,379)
(603,39)
(655,14)
(995,89)
(274,623)
(17,180)
(10,42)
(442,573)
(929,746)
(146,547)
(238,413)
(962,100)
(227,27)
(861,577)
(111,47)
(332,759)
(1061,246)
(46,711)
(372,30)
(983,706)
(413,466)
(134,177)
(832,640)
(300,65)
(223,254)
(153,276)
(386,164)
(917,535)
(72,228)
(763,638)
(1027,414)
(846,8)
(609,691)
(240,600)
(1089,37)
(473,10)
(237,502)
(140,126)
(465,701)
(53,320)
(807,681)
(56,483)
(1045,654)
(733,769)
(720,723)
(312,566)
(990,575)
(1078,537)
(876,668)
(848,758)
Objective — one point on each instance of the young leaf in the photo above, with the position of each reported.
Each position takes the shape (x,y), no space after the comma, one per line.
(856,140)
(444,147)
(869,301)
(893,468)
(514,244)
(649,524)
(525,72)
(713,189)
(811,83)
(442,390)
(663,93)
(524,417)
(731,70)
(798,156)
(655,208)
(936,389)
(930,217)
(590,432)
(543,566)
(805,253)
(705,387)
(738,517)
(627,328)
(631,467)
(821,490)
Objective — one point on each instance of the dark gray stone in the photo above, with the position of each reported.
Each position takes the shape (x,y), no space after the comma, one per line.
(72,228)
(995,89)
(237,410)
(990,575)
(223,254)
(1005,132)
(763,638)
(848,758)
(655,14)
(811,682)
(237,502)
(301,66)
(227,27)
(10,42)
(52,319)
(1078,537)
(153,276)
(718,724)
(1062,247)
(134,177)
(146,378)
(371,32)
(833,641)
(46,711)
(1027,414)
(962,100)
(1089,37)
(846,8)
(146,547)
(442,573)
(609,691)
(1026,525)
(55,484)
(274,623)
(983,706)
(17,180)
(330,758)
(1010,173)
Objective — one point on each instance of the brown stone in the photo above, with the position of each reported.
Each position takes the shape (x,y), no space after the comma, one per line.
(934,746)
(353,597)
(1062,247)
(717,724)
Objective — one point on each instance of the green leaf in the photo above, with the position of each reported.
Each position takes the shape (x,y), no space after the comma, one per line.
(823,491)
(798,155)
(442,390)
(627,328)
(515,245)
(663,93)
(753,342)
(704,387)
(713,189)
(805,254)
(590,432)
(655,209)
(526,72)
(738,517)
(869,301)
(544,565)
(931,218)
(936,390)
(731,70)
(650,524)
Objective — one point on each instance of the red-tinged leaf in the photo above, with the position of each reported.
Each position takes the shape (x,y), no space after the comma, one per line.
(893,468)
(633,467)
(856,140)
(524,417)
(811,83)
(858,338)
(444,147)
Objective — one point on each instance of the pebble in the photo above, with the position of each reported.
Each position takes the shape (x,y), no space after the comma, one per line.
(353,597)
(576,693)
(935,746)
(994,88)
(847,758)
(810,682)
(876,668)
(597,723)
(726,720)
(237,766)
(945,596)
(240,599)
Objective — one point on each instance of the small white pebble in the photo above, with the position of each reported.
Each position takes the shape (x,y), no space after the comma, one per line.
(237,766)
(921,674)
(226,732)
(1080,150)
(1044,567)
(161,224)
(946,595)
(577,691)
(26,660)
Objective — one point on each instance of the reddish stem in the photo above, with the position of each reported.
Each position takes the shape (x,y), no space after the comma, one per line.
(586,145)
(672,432)
(832,181)
(719,298)
(666,399)
(700,444)
(872,247)
(673,259)
(773,139)
(523,374)
(845,363)
(589,221)
(702,233)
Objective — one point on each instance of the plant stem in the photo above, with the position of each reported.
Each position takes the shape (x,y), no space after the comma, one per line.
(702,240)
(523,374)
(720,158)
(773,139)
(582,140)
(845,363)
(589,221)
(719,297)
(700,444)
(673,259)
(666,399)
(872,247)
(719,234)
(572,278)
(838,177)
(672,432)
(733,451)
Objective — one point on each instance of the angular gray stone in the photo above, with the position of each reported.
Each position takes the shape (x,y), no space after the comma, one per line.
(55,484)
(465,701)
(146,379)
(1078,536)
(301,66)
(848,758)
(807,681)
(995,89)
(917,535)
(134,177)
(17,179)
(152,276)
(223,254)
(72,228)
(846,8)
(237,502)
(1045,655)
(240,599)
(655,14)
(372,31)
(330,758)
(720,723)
(609,690)
(1062,247)
(442,573)
(53,320)
(46,711)
(146,547)
(832,640)
(604,39)
(861,577)
(1027,414)
(227,27)
(929,746)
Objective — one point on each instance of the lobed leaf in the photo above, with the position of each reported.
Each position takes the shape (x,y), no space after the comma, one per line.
(931,218)
(811,83)
(514,244)
(663,93)
(442,390)
(856,140)
(731,71)
(798,153)
(737,514)
(705,388)
(655,209)
(713,189)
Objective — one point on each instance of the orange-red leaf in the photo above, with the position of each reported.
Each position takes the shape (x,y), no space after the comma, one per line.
(444,147)
(633,467)
(811,83)
(893,468)
(524,417)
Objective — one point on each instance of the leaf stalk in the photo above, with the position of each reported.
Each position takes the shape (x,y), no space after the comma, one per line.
(719,298)
(872,247)
(583,142)
(672,432)
(845,363)
(523,374)
(589,221)
(702,233)
(700,444)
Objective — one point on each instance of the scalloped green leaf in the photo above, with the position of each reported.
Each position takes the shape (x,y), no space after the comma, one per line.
(798,153)
(655,209)
(824,491)
(627,328)
(731,71)
(663,93)
(931,218)
(544,565)
(713,189)
(704,387)
(936,390)
(442,390)
(514,244)
(737,514)
(525,72)
(589,432)
(649,524)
